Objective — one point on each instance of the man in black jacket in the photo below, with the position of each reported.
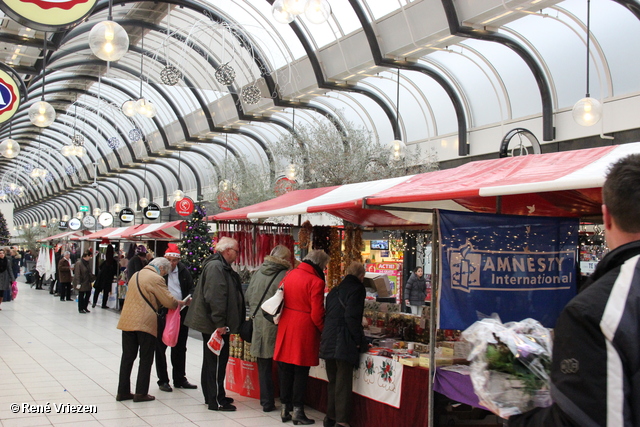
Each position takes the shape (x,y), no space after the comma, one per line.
(595,370)
(342,342)
(181,286)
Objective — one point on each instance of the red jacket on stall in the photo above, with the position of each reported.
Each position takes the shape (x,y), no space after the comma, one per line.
(302,320)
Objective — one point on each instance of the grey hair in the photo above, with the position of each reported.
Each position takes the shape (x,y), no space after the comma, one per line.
(66,253)
(355,268)
(281,252)
(318,257)
(225,243)
(162,263)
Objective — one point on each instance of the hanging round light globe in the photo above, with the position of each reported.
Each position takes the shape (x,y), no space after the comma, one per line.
(116,208)
(27,226)
(43,223)
(108,41)
(280,14)
(79,151)
(178,195)
(53,220)
(97,212)
(144,202)
(66,150)
(145,108)
(397,149)
(129,108)
(317,11)
(294,7)
(42,114)
(292,172)
(587,111)
(79,215)
(224,185)
(35,172)
(65,218)
(35,224)
(9,148)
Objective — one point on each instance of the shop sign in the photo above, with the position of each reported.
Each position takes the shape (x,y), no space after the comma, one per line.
(152,211)
(63,225)
(184,207)
(89,221)
(392,269)
(74,224)
(9,96)
(105,219)
(48,15)
(83,208)
(127,215)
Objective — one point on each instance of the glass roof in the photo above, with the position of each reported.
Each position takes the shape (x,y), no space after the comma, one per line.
(511,64)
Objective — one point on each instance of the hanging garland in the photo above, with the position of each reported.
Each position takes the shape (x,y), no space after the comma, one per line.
(321,238)
(358,245)
(348,245)
(334,271)
(304,236)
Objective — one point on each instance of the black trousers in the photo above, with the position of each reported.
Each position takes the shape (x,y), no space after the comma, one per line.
(340,374)
(214,369)
(265,373)
(105,295)
(131,342)
(293,383)
(65,291)
(83,300)
(178,353)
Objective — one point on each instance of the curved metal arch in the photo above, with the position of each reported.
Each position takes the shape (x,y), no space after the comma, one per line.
(632,5)
(127,179)
(548,130)
(463,144)
(163,185)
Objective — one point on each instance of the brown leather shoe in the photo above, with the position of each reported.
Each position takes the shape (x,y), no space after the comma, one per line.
(143,398)
(126,396)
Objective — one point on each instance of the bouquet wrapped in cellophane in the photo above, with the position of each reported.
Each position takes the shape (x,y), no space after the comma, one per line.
(510,365)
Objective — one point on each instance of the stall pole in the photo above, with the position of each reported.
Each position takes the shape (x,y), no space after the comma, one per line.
(435,294)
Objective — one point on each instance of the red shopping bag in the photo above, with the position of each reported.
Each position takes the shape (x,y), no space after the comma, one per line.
(171,328)
(216,342)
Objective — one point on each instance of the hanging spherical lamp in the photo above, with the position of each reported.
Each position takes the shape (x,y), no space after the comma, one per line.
(65,218)
(9,148)
(144,202)
(398,150)
(108,41)
(145,108)
(587,111)
(295,7)
(129,108)
(116,208)
(42,114)
(97,212)
(178,195)
(280,14)
(317,11)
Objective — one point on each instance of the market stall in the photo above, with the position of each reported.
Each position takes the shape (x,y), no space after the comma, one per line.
(557,185)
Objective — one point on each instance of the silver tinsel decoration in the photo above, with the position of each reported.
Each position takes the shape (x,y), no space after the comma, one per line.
(113,143)
(77,139)
(135,134)
(170,75)
(225,74)
(251,94)
(70,170)
(48,177)
(28,168)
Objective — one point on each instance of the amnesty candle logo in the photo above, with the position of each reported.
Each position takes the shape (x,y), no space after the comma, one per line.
(499,270)
(9,96)
(47,15)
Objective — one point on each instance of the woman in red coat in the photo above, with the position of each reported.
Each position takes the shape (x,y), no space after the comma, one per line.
(298,340)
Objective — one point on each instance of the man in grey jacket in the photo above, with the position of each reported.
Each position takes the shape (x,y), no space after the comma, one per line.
(218,304)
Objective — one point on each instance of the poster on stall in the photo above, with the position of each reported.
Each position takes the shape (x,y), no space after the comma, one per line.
(516,266)
(392,269)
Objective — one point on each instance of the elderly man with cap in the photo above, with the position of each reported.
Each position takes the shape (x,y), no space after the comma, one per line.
(181,286)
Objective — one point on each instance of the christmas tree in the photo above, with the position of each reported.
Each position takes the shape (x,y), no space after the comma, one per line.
(4,231)
(196,244)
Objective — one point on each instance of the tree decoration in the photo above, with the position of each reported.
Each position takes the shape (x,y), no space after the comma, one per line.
(225,74)
(251,94)
(170,75)
(135,134)
(196,244)
(284,185)
(48,177)
(335,257)
(70,170)
(304,236)
(77,139)
(113,143)
(5,237)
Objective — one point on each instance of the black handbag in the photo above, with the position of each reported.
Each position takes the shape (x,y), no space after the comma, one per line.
(246,329)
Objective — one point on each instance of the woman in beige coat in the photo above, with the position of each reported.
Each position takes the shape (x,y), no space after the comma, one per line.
(147,293)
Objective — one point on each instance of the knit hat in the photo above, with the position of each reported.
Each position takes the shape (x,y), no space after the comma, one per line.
(172,250)
(141,250)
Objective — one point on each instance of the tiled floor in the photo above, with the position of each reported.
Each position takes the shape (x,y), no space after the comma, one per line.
(53,355)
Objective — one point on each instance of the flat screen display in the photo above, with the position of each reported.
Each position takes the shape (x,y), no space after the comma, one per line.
(380,245)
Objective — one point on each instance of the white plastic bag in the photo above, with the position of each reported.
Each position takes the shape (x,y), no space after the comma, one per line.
(216,343)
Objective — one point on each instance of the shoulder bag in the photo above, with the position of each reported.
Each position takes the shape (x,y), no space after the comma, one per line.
(160,313)
(246,330)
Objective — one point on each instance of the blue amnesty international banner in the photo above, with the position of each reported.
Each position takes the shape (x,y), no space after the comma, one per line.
(515,266)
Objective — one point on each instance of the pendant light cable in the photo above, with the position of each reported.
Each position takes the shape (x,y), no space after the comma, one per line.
(588,41)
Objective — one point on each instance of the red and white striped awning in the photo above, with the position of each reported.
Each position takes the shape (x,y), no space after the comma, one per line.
(67,235)
(567,183)
(161,231)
